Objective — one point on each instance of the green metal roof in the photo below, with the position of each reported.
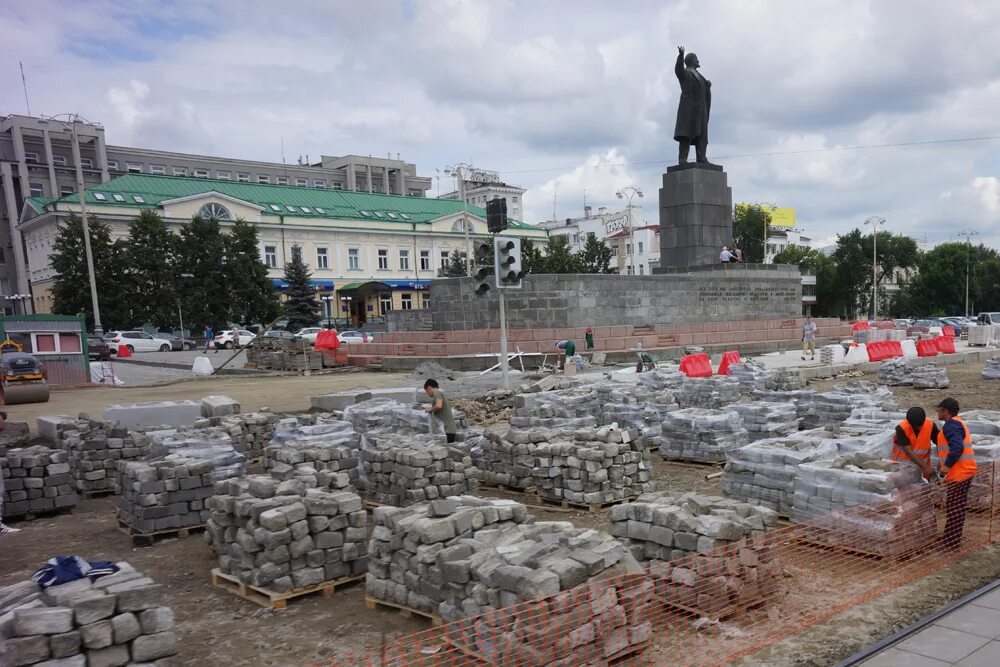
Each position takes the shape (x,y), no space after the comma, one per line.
(336,204)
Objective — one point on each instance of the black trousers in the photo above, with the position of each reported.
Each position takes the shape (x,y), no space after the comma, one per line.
(955,505)
(700,147)
(449,437)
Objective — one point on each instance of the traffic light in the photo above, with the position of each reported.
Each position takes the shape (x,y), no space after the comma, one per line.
(508,251)
(496,215)
(484,268)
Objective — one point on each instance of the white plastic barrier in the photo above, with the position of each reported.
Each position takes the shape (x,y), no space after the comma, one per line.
(857,354)
(909,348)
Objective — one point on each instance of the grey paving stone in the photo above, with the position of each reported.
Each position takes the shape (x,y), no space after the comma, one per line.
(943,643)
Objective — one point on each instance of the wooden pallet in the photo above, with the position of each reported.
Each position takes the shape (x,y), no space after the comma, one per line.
(38,514)
(97,493)
(273,599)
(141,539)
(728,612)
(490,486)
(373,603)
(855,551)
(620,658)
(694,464)
(568,505)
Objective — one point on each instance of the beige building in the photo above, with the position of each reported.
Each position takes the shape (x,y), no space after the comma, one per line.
(369,252)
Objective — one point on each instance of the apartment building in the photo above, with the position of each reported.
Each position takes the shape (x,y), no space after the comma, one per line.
(483,185)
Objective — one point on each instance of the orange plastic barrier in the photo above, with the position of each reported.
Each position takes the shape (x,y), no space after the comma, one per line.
(945,344)
(894,347)
(123,352)
(927,347)
(860,326)
(696,365)
(327,340)
(884,349)
(729,358)
(948,331)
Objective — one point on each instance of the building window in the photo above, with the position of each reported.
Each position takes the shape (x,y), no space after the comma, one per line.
(36,190)
(214,211)
(383,259)
(201,173)
(66,190)
(3,260)
(406,301)
(31,157)
(86,163)
(384,303)
(629,269)
(99,196)
(59,160)
(322,259)
(133,167)
(353,259)
(118,197)
(445,259)
(302,182)
(319,183)
(628,248)
(242,177)
(296,253)
(404,260)
(642,269)
(426,302)
(138,199)
(337,186)
(159,169)
(614,250)
(263,178)
(179,171)
(113,165)
(640,247)
(425,260)
(224,175)
(271,256)
(281,180)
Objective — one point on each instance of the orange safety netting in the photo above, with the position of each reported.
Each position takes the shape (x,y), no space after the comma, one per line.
(716,607)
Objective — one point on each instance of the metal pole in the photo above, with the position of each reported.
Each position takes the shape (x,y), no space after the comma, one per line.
(874,270)
(180,317)
(504,362)
(98,329)
(465,221)
(631,236)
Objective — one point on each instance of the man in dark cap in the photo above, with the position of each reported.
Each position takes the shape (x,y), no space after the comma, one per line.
(957,465)
(913,441)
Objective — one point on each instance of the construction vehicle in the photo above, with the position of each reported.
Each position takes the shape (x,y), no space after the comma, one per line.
(22,379)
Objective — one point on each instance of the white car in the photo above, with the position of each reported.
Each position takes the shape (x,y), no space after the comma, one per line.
(309,333)
(232,338)
(354,337)
(137,341)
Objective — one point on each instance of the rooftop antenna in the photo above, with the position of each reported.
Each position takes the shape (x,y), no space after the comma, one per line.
(555,196)
(24,85)
(283,163)
(585,200)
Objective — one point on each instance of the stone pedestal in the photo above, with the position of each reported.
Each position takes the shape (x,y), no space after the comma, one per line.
(696,215)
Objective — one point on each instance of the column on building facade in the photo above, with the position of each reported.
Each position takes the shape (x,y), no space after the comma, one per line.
(22,167)
(20,266)
(53,183)
(368,171)
(352,177)
(102,157)
(401,181)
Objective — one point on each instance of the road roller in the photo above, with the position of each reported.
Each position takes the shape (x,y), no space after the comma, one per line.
(22,379)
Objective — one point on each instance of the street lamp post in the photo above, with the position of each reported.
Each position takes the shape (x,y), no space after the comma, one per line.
(15,298)
(968,234)
(180,311)
(459,170)
(875,221)
(328,300)
(347,305)
(628,192)
(75,140)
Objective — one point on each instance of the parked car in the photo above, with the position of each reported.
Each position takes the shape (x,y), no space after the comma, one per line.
(354,337)
(901,323)
(309,333)
(925,327)
(96,346)
(138,341)
(279,333)
(176,343)
(959,324)
(233,337)
(988,318)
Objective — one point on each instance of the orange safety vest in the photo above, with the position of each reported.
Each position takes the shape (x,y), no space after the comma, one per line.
(920,443)
(965,467)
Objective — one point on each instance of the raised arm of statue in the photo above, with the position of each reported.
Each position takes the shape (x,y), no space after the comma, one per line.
(708,97)
(679,65)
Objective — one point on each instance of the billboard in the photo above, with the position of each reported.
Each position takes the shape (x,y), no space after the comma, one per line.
(783,217)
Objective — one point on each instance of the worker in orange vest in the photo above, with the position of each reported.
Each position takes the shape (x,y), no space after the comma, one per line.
(957,466)
(912,441)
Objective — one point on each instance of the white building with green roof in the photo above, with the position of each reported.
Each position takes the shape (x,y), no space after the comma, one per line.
(373,252)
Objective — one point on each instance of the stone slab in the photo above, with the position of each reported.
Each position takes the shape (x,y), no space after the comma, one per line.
(136,416)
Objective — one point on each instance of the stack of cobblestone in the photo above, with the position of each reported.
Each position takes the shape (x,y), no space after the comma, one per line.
(35,480)
(164,494)
(784,379)
(712,392)
(833,407)
(330,447)
(930,376)
(699,434)
(287,535)
(768,419)
(866,503)
(508,459)
(592,466)
(210,444)
(379,413)
(118,619)
(250,433)
(991,371)
(400,470)
(95,448)
(831,354)
(750,375)
(566,408)
(659,380)
(895,373)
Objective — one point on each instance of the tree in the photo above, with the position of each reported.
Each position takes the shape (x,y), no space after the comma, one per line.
(201,252)
(749,221)
(594,258)
(456,266)
(532,260)
(853,259)
(151,270)
(301,307)
(250,289)
(71,287)
(822,267)
(939,286)
(559,258)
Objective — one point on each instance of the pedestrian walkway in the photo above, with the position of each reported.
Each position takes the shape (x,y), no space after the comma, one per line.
(966,636)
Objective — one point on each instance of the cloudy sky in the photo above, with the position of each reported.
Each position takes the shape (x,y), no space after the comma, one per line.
(567,99)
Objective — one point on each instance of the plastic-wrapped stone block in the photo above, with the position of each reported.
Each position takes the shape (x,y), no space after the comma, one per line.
(700,434)
(330,446)
(711,392)
(768,419)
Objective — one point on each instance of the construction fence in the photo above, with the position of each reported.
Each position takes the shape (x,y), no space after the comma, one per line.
(710,609)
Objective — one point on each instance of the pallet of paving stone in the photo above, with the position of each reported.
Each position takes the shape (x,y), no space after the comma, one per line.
(41,514)
(374,603)
(273,599)
(141,539)
(548,503)
(490,486)
(691,463)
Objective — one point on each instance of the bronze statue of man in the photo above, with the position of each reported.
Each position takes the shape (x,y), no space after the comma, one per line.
(693,108)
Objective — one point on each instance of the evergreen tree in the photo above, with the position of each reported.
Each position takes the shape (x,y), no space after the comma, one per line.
(532,259)
(456,267)
(301,307)
(71,288)
(201,251)
(595,257)
(559,258)
(150,264)
(749,221)
(251,291)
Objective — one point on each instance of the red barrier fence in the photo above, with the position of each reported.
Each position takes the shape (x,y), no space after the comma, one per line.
(671,614)
(728,359)
(927,347)
(945,344)
(884,349)
(696,365)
